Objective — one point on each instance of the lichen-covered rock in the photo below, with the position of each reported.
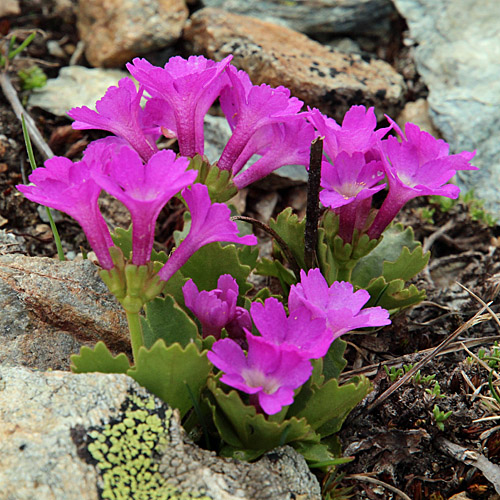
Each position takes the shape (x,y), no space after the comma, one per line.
(115,31)
(50,308)
(95,436)
(322,77)
(331,17)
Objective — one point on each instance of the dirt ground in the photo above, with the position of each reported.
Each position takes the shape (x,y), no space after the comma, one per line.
(395,442)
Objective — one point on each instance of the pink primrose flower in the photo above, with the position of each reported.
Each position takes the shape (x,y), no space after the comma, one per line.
(419,165)
(209,223)
(338,304)
(216,309)
(348,183)
(249,107)
(144,189)
(69,187)
(183,91)
(269,373)
(119,112)
(356,135)
(308,336)
(286,143)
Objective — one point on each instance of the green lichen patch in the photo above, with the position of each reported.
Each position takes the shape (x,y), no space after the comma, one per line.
(125,452)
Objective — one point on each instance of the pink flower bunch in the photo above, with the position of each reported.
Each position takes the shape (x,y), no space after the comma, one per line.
(216,309)
(278,361)
(143,187)
(265,121)
(358,159)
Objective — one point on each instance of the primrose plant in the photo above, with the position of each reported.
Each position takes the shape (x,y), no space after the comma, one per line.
(251,369)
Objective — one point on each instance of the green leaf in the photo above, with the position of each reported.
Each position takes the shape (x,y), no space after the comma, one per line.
(407,265)
(174,286)
(168,371)
(122,238)
(393,295)
(334,362)
(211,261)
(243,428)
(166,320)
(314,452)
(326,261)
(275,268)
(288,226)
(98,359)
(329,404)
(390,249)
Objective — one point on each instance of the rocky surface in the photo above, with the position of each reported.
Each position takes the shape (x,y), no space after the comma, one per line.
(65,436)
(329,17)
(322,77)
(50,308)
(9,8)
(117,31)
(75,86)
(458,57)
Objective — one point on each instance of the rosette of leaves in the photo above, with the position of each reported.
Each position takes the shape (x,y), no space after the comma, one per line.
(309,424)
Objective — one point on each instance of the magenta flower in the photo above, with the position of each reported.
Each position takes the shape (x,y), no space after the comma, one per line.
(69,187)
(338,304)
(209,223)
(357,133)
(249,107)
(269,373)
(419,165)
(308,336)
(286,143)
(348,184)
(119,112)
(217,309)
(143,189)
(187,87)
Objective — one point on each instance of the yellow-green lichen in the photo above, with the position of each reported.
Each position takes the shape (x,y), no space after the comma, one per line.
(125,452)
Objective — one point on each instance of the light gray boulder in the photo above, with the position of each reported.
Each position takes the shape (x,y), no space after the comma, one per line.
(92,436)
(458,56)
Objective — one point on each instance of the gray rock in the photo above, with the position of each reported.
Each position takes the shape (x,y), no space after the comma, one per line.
(48,309)
(324,78)
(75,86)
(10,243)
(458,57)
(56,430)
(10,8)
(115,31)
(217,133)
(331,17)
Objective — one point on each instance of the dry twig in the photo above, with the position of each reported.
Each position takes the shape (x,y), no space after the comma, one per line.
(378,482)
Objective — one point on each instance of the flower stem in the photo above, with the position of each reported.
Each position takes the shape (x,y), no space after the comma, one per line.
(312,213)
(135,329)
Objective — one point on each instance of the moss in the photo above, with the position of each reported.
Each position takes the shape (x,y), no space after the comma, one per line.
(125,452)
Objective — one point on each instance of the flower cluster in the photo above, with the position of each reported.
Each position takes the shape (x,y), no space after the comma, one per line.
(278,361)
(263,350)
(265,121)
(268,122)
(358,159)
(143,187)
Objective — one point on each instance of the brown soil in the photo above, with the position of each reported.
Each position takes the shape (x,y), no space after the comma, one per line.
(397,442)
